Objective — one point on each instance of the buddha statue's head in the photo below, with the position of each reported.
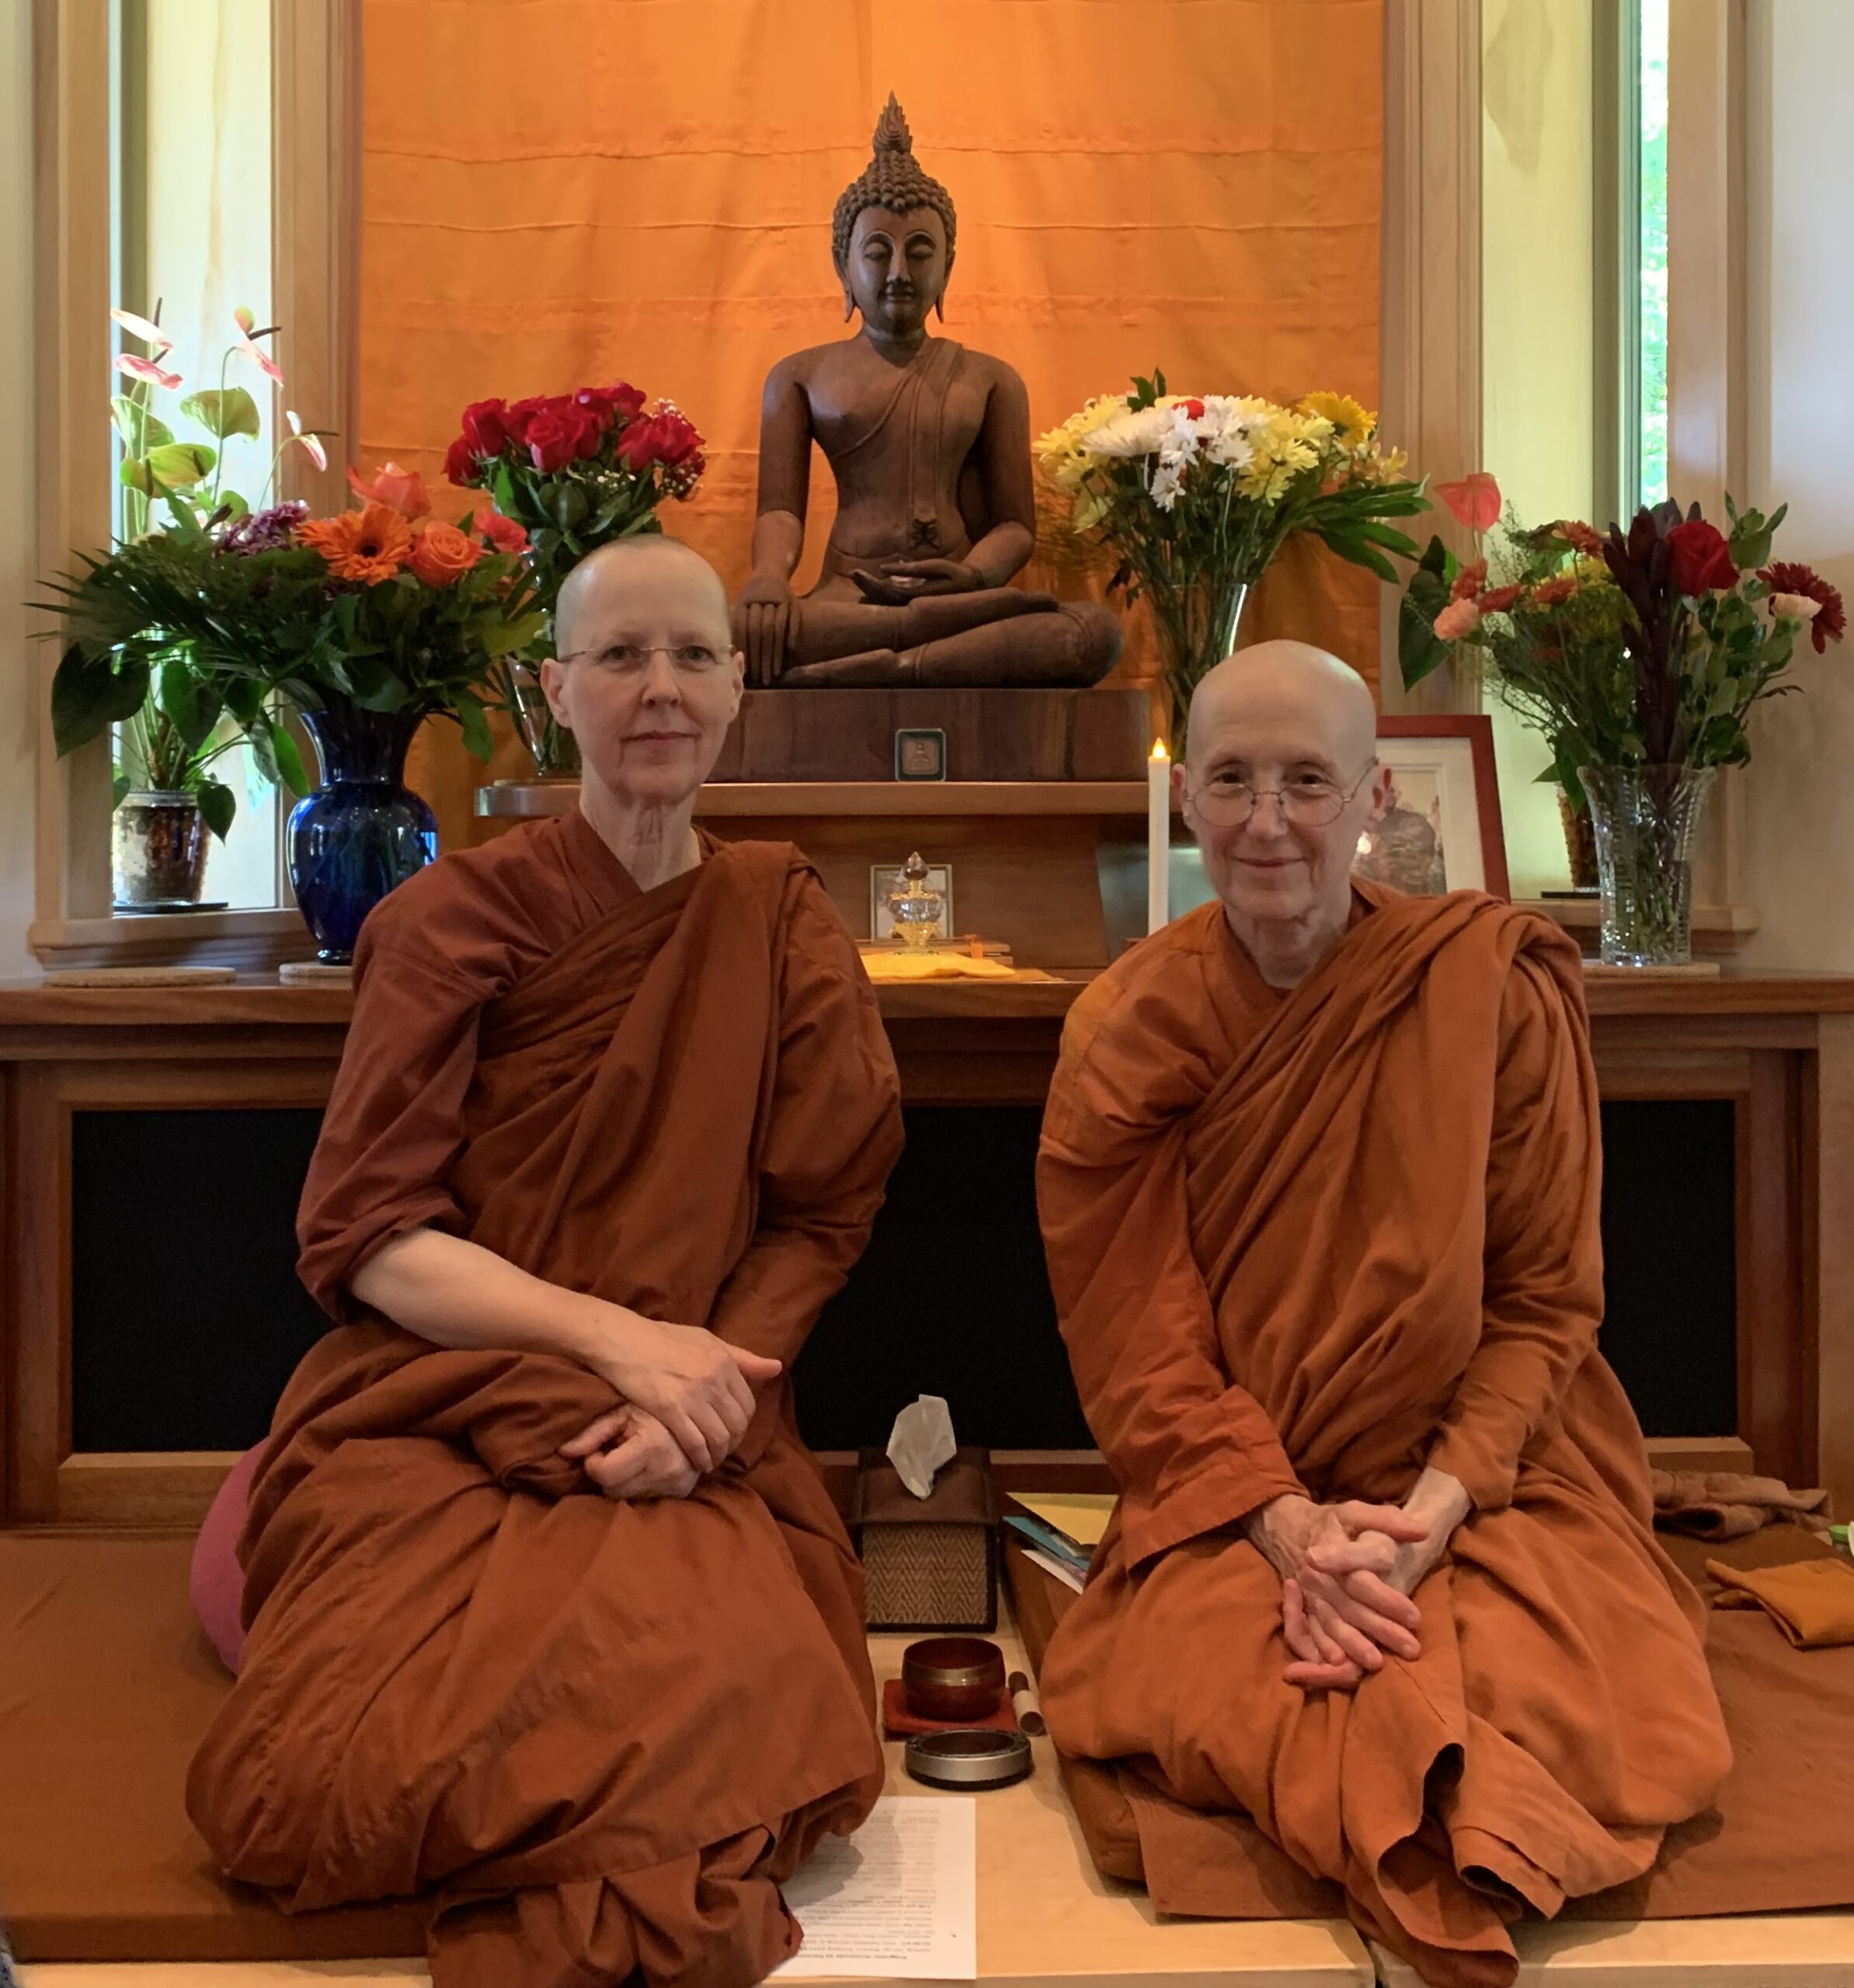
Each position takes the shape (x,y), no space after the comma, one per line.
(891,236)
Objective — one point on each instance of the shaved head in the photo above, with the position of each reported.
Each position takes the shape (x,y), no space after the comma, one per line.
(1281,778)
(602,576)
(1263,683)
(645,677)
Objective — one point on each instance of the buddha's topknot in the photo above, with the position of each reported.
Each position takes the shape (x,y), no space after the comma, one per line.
(893,179)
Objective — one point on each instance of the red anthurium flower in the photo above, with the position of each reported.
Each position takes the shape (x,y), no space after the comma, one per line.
(1790,576)
(1475,500)
(1703,561)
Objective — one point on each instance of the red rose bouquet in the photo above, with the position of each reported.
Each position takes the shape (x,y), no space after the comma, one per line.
(575,471)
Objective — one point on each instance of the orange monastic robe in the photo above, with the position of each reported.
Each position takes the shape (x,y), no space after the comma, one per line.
(1310,1241)
(598,1733)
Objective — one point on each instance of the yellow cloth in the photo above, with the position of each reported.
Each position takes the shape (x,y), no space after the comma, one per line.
(555,196)
(933,966)
(1811,1601)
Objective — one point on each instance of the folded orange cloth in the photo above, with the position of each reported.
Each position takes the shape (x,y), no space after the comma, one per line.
(1811,1601)
(1726,1504)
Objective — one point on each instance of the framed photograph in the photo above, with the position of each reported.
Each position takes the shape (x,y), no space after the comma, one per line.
(1443,832)
(881,881)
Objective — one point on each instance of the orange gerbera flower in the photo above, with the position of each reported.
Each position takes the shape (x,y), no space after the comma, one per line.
(369,546)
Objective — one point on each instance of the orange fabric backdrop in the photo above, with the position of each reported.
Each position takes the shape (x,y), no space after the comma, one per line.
(562,191)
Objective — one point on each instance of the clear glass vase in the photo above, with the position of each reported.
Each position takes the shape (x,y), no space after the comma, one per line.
(1196,620)
(553,749)
(158,845)
(1645,820)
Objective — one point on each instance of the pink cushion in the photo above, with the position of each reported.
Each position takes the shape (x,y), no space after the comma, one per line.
(216,1582)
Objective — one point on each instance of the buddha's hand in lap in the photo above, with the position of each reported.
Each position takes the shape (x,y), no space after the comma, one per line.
(766,603)
(628,1454)
(894,582)
(698,1387)
(1340,1616)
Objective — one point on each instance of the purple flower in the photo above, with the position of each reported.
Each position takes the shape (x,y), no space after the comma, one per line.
(263,531)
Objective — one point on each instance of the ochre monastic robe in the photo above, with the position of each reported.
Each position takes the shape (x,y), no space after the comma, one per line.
(600,1732)
(1310,1241)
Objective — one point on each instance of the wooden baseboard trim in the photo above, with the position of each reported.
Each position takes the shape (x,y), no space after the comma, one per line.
(140,1487)
(175,1488)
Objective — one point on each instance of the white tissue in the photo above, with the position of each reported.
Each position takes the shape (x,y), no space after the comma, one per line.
(921,1442)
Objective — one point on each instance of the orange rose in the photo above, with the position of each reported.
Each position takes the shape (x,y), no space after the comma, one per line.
(369,546)
(441,555)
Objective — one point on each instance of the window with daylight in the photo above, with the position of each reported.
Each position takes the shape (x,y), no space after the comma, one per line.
(190,244)
(1629,185)
(1650,237)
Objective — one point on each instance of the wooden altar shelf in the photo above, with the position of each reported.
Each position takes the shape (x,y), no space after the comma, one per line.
(878,799)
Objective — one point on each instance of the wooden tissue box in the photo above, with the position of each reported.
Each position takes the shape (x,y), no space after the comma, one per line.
(928,1563)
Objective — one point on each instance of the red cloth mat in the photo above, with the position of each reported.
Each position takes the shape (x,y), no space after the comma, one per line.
(899,1723)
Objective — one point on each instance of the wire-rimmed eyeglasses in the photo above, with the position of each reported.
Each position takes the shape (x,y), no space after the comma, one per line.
(1226,800)
(633,658)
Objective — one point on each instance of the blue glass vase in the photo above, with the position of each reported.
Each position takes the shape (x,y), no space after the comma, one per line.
(363,830)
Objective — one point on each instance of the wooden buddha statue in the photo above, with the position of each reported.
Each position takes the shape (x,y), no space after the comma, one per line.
(930,444)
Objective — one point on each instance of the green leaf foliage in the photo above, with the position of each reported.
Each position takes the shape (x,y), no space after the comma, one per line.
(223,411)
(90,693)
(180,465)
(218,804)
(138,428)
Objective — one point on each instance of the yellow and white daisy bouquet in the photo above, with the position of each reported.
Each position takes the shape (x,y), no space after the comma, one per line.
(1196,494)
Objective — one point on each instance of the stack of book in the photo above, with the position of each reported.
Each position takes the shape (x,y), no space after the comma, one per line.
(1059,1530)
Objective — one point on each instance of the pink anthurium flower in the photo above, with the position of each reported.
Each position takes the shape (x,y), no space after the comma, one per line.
(311,442)
(1474,500)
(146,369)
(265,361)
(143,328)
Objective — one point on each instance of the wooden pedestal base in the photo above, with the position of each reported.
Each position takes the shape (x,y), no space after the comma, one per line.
(990,735)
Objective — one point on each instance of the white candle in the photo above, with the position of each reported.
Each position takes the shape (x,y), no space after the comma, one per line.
(1158,837)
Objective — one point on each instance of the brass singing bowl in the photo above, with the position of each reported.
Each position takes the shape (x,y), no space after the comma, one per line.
(953,1677)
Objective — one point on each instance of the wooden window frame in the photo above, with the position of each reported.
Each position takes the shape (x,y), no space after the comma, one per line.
(315,118)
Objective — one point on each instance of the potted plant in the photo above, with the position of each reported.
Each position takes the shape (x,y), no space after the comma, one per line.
(1638,655)
(1195,494)
(173,719)
(575,471)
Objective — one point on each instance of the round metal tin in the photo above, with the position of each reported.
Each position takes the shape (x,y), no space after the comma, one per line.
(968,1758)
